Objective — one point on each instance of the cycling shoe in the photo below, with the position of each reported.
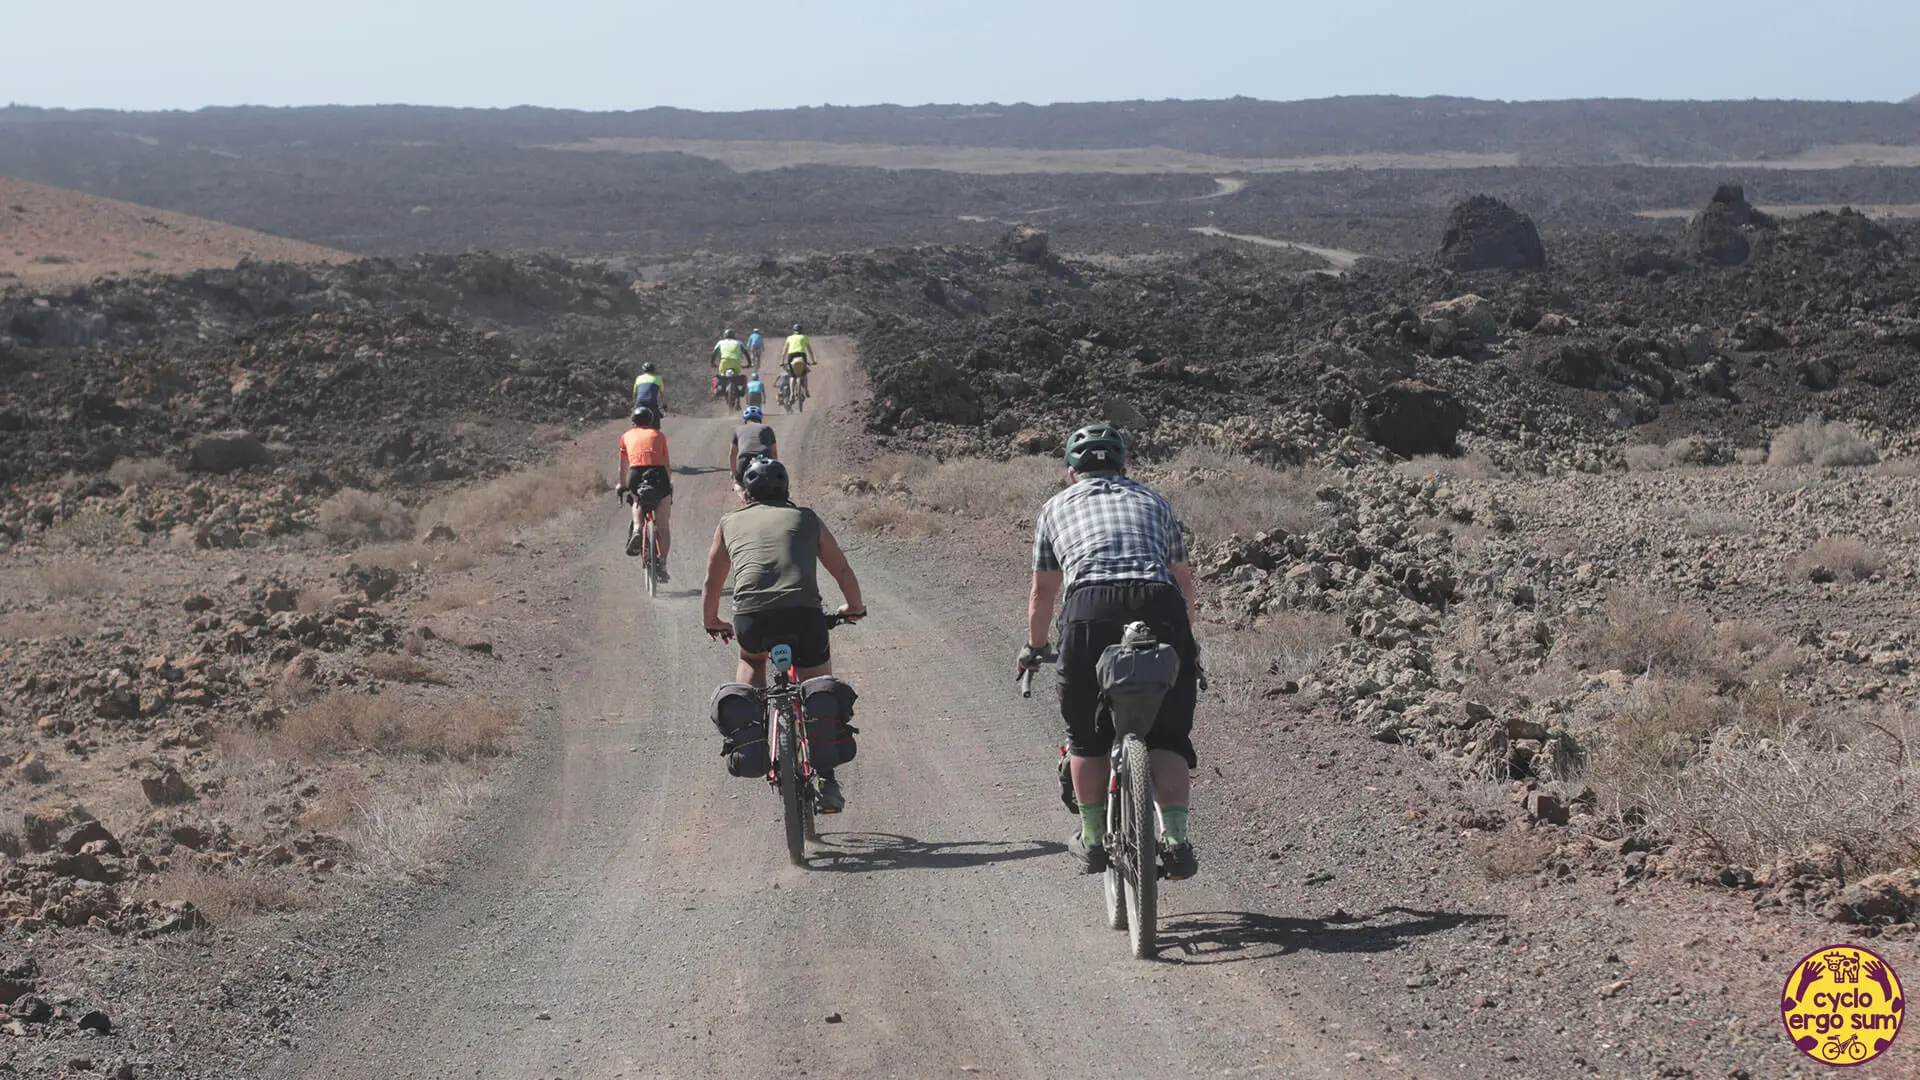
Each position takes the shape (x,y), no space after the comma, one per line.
(831,799)
(1091,860)
(1179,861)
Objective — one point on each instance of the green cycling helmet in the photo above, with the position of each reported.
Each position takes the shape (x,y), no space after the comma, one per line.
(1096,448)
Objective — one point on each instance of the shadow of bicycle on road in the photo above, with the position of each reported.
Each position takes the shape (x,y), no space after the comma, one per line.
(860,853)
(697,470)
(1228,937)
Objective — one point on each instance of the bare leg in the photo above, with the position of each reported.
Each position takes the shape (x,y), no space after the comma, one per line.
(661,531)
(805,673)
(1090,778)
(752,670)
(1172,783)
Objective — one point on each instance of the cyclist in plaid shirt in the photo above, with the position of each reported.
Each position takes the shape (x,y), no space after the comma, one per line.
(1116,548)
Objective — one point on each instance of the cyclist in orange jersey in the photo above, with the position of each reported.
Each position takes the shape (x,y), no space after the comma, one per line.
(647,477)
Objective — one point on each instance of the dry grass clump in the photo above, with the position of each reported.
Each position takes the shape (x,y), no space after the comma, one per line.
(912,498)
(485,516)
(1638,632)
(64,580)
(1816,441)
(226,896)
(1701,521)
(1686,450)
(406,669)
(145,472)
(1839,558)
(446,598)
(1285,646)
(1901,467)
(32,625)
(392,724)
(351,514)
(1218,494)
(1754,798)
(1470,466)
(92,529)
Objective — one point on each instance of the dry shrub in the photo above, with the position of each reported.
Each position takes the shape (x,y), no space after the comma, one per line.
(351,514)
(1647,458)
(485,516)
(392,724)
(226,896)
(1816,441)
(30,625)
(1846,784)
(406,669)
(1218,494)
(145,472)
(1701,521)
(405,833)
(1638,632)
(92,529)
(894,517)
(1471,466)
(988,490)
(1686,450)
(63,580)
(1901,467)
(1287,646)
(1843,558)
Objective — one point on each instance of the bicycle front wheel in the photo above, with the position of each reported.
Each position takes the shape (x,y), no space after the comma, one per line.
(1142,847)
(790,795)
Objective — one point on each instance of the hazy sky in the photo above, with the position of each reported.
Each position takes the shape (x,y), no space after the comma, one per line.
(737,54)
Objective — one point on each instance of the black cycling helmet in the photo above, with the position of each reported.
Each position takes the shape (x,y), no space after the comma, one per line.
(1096,448)
(765,480)
(643,417)
(727,333)
(797,330)
(646,368)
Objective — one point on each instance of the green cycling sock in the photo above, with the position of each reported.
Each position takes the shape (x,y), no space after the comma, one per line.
(1093,823)
(1173,822)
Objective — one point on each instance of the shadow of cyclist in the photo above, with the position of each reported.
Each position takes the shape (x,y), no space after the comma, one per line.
(698,470)
(860,853)
(1227,937)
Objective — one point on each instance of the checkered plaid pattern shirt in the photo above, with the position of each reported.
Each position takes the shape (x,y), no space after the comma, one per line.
(1106,529)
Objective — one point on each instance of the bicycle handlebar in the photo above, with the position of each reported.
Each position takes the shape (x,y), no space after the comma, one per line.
(834,618)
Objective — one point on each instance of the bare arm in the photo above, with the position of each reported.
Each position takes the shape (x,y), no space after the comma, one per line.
(733,459)
(718,563)
(835,561)
(1046,589)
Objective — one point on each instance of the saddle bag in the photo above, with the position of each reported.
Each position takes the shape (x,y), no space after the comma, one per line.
(829,706)
(737,712)
(1135,676)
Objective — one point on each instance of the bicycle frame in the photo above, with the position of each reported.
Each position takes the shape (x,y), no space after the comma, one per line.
(784,711)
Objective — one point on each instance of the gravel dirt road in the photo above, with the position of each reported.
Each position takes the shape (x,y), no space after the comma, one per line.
(638,916)
(629,911)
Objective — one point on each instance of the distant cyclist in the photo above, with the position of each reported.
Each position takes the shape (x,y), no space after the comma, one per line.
(772,551)
(752,439)
(755,346)
(729,356)
(647,477)
(756,390)
(1117,548)
(648,391)
(799,353)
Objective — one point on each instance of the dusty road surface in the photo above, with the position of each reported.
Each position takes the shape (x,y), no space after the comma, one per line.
(629,911)
(638,917)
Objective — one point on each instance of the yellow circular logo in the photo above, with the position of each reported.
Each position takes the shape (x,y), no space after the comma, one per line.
(1843,1005)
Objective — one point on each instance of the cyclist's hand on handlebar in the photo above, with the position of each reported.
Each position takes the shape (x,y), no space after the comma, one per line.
(1033,656)
(720,630)
(850,615)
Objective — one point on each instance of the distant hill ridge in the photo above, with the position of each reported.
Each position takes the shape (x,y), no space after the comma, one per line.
(1547,132)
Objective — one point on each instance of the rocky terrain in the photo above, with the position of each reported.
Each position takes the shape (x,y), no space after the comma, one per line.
(1616,526)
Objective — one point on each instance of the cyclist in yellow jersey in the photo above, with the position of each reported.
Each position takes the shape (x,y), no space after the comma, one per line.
(799,353)
(654,398)
(729,356)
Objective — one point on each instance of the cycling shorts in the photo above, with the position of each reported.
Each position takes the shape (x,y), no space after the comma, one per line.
(653,484)
(804,628)
(1094,616)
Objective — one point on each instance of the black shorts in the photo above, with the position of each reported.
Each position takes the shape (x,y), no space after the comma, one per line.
(651,484)
(804,628)
(1094,617)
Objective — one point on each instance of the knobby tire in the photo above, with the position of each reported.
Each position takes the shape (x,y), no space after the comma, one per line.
(790,794)
(1142,840)
(651,555)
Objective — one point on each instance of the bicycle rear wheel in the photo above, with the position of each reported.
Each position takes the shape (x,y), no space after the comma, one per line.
(790,795)
(1142,845)
(650,554)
